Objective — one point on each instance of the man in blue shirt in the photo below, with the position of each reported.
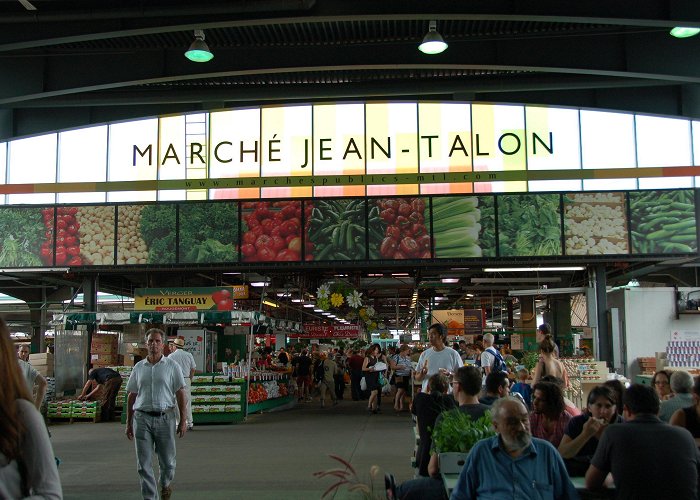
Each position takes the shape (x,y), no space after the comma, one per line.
(513,464)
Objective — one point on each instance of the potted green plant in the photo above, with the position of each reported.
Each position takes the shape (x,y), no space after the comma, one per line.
(530,360)
(454,436)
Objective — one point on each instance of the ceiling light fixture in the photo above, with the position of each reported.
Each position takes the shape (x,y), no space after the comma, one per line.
(432,41)
(270,303)
(531,269)
(684,32)
(199,50)
(450,280)
(258,283)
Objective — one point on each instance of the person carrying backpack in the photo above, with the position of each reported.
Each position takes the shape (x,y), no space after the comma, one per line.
(491,359)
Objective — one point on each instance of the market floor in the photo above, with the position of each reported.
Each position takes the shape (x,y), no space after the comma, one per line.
(271,456)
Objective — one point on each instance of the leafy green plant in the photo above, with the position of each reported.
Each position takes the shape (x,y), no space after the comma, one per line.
(457,432)
(530,360)
(347,477)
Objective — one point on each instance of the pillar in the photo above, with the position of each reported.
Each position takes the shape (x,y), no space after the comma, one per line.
(602,338)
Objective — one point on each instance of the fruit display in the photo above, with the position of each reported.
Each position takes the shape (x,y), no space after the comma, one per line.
(398,229)
(529,225)
(272,231)
(463,226)
(257,393)
(663,221)
(336,229)
(24,234)
(595,223)
(208,232)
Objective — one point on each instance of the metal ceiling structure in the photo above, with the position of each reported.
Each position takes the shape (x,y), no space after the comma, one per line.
(75,63)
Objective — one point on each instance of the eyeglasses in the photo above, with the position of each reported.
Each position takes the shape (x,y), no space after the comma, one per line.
(515,421)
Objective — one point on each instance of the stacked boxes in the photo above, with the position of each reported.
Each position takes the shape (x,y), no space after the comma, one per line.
(134,354)
(683,353)
(74,409)
(59,409)
(125,372)
(103,350)
(85,409)
(43,363)
(647,365)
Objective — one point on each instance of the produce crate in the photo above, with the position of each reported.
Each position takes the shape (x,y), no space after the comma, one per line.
(647,365)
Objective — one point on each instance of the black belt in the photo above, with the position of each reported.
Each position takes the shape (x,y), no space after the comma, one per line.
(154,413)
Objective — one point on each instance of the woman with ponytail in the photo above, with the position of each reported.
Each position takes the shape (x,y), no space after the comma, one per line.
(549,364)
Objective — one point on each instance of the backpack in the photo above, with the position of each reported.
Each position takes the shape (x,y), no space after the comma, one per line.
(319,372)
(499,364)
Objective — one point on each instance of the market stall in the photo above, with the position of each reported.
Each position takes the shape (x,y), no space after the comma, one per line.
(222,392)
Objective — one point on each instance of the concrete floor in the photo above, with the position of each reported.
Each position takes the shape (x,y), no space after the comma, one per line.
(271,456)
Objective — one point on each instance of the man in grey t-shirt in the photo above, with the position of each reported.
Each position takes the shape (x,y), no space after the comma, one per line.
(438,358)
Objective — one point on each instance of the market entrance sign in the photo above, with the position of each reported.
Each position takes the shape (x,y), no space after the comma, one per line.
(352,149)
(188,299)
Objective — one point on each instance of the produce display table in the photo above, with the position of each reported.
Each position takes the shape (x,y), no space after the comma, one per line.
(265,395)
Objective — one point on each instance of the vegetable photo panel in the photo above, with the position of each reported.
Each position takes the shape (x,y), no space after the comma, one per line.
(271,231)
(208,232)
(336,229)
(663,221)
(146,234)
(399,228)
(595,223)
(85,235)
(27,237)
(463,227)
(529,225)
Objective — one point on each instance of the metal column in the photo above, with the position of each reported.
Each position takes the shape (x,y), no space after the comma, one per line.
(602,337)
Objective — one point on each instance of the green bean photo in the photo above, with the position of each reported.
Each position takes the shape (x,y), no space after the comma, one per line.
(663,221)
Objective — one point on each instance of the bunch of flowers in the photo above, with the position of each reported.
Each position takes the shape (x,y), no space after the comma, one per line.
(342,298)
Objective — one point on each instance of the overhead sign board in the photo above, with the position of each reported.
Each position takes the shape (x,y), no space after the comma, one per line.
(188,299)
(327,331)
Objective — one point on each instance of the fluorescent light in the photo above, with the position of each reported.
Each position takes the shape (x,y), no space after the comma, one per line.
(553,279)
(450,280)
(258,283)
(309,304)
(684,32)
(232,273)
(469,295)
(36,270)
(270,303)
(318,310)
(546,291)
(297,300)
(531,269)
(399,274)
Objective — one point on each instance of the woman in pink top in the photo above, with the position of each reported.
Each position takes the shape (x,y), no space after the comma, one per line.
(548,419)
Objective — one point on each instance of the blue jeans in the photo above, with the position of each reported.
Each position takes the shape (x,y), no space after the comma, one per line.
(154,433)
(424,488)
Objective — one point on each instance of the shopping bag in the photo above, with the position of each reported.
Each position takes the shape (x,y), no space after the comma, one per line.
(363,384)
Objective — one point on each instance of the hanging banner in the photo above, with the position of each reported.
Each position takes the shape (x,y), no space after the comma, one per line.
(473,321)
(188,299)
(453,319)
(327,331)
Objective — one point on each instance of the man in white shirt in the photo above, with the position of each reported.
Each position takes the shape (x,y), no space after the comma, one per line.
(187,364)
(438,358)
(155,386)
(31,376)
